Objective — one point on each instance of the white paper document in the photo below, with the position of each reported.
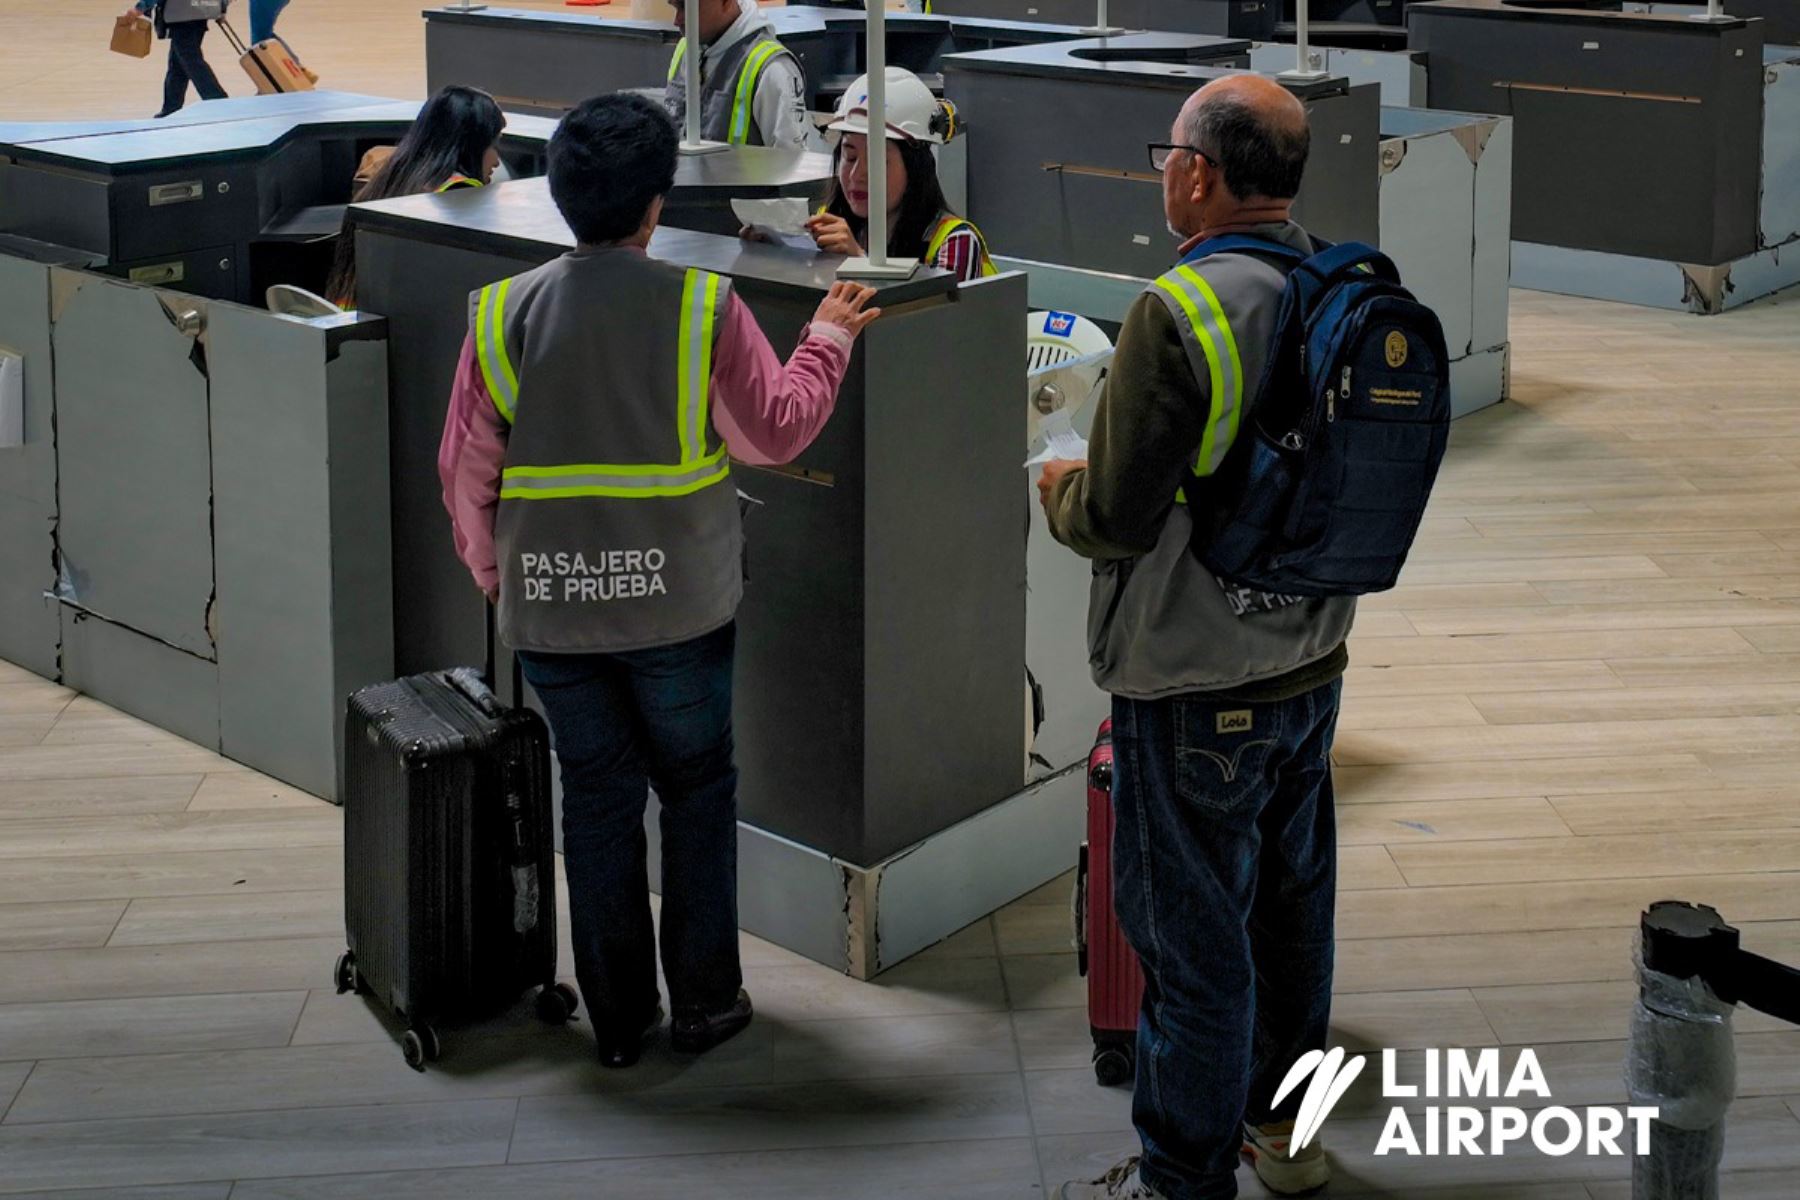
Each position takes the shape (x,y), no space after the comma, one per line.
(1060,441)
(781,221)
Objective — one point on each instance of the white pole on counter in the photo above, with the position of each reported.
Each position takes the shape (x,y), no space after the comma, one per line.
(1303,63)
(1101,26)
(691,52)
(1715,11)
(875,264)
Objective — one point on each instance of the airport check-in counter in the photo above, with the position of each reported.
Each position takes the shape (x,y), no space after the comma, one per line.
(247,193)
(1657,157)
(880,669)
(1057,166)
(1223,18)
(194,520)
(548,62)
(220,204)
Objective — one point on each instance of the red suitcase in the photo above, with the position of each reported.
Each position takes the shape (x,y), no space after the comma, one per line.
(1115,980)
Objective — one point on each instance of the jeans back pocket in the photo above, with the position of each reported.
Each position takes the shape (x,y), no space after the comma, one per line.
(1225,754)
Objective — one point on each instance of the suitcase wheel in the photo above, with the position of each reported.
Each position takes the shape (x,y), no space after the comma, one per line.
(1113,1065)
(347,978)
(420,1046)
(556,1004)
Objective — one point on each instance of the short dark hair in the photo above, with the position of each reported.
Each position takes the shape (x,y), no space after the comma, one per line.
(1259,157)
(610,159)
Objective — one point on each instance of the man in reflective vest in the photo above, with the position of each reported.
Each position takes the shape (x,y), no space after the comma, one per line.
(752,90)
(586,464)
(1225,701)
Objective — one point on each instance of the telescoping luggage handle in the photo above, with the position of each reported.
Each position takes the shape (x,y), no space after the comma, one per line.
(231,35)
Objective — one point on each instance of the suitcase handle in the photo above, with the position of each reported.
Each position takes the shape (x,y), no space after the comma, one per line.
(488,663)
(231,36)
(1078,911)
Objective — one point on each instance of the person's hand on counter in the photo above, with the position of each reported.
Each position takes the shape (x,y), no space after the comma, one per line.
(845,306)
(1054,470)
(750,233)
(833,234)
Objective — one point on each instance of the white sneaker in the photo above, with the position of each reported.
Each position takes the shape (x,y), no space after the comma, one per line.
(1283,1172)
(1120,1183)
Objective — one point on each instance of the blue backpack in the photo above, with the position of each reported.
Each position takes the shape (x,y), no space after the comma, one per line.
(1323,490)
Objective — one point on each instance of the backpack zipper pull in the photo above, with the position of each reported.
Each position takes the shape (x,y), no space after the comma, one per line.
(1331,401)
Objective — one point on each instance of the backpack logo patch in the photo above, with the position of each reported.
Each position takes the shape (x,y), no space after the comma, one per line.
(1396,349)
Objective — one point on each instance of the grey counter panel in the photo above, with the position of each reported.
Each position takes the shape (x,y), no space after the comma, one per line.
(1239,18)
(1101,208)
(30,625)
(881,640)
(300,475)
(142,676)
(1634,134)
(134,459)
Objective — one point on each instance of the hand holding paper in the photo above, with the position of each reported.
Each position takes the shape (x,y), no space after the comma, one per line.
(781,221)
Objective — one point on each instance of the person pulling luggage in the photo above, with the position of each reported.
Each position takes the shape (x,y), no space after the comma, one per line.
(586,464)
(184,22)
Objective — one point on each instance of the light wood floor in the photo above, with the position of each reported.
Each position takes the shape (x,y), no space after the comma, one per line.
(1582,699)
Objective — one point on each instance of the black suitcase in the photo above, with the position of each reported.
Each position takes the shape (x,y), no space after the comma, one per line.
(449,867)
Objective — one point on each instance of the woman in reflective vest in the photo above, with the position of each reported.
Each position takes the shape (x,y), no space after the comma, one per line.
(920,223)
(453,143)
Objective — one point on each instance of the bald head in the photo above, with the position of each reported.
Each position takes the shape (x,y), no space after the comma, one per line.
(1254,130)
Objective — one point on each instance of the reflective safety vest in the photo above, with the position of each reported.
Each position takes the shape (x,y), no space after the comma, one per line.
(1212,352)
(940,233)
(728,94)
(457,181)
(615,529)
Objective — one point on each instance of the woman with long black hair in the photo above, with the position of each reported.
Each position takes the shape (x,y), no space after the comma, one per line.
(920,223)
(454,143)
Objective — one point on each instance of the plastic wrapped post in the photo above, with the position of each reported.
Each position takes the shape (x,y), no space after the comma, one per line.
(1680,1059)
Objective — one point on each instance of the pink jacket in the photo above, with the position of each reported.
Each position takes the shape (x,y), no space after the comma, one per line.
(766,412)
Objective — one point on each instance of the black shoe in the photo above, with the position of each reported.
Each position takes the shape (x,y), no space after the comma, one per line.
(695,1032)
(618,1051)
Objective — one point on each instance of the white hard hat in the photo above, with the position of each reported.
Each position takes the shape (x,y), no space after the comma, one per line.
(913,113)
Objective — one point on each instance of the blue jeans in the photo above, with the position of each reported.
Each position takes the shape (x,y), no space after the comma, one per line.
(1225,861)
(625,722)
(262,19)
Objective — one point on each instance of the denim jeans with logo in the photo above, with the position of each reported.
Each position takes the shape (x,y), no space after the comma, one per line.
(1225,879)
(624,723)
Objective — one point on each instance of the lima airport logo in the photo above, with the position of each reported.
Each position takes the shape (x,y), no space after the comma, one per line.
(1453,1130)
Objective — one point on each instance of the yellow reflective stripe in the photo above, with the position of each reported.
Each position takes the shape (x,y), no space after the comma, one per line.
(703,401)
(1223,327)
(619,491)
(947,228)
(490,349)
(684,366)
(675,60)
(1212,364)
(565,470)
(746,90)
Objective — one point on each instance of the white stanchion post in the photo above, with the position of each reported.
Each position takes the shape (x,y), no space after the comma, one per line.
(875,264)
(1303,65)
(691,141)
(1715,11)
(1102,27)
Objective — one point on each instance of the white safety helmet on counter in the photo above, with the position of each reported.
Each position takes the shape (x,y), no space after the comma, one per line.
(913,113)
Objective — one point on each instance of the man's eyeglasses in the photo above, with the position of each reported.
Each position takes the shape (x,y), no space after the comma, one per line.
(1160,153)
